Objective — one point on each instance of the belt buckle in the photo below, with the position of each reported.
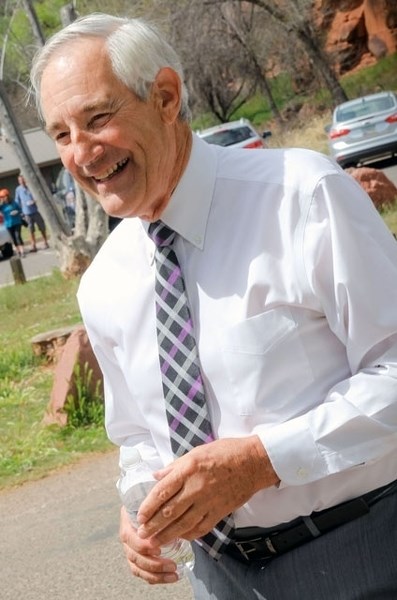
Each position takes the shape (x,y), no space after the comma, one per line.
(246,551)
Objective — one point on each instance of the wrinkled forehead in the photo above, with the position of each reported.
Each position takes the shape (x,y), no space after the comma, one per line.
(75,74)
(75,54)
(82,56)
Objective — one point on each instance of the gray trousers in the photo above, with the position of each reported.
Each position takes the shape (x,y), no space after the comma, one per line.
(356,561)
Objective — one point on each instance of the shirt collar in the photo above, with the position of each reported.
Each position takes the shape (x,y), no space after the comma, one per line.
(188,209)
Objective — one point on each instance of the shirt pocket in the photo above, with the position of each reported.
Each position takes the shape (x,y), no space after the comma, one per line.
(266,363)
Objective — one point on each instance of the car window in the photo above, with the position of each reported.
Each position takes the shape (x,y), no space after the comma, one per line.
(364,108)
(228,137)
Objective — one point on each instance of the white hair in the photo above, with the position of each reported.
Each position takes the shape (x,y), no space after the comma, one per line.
(136,49)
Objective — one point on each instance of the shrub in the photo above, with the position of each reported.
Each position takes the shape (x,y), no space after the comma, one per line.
(86,406)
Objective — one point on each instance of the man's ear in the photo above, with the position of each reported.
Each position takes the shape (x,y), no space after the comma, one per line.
(167,90)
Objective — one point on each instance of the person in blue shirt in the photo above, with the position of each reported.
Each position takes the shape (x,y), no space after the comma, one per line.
(26,202)
(12,220)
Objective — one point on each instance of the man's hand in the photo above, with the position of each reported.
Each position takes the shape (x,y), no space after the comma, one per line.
(143,556)
(200,488)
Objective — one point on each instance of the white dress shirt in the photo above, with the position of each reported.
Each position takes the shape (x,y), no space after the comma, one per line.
(291,276)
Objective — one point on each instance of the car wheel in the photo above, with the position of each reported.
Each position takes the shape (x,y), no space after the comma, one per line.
(7,250)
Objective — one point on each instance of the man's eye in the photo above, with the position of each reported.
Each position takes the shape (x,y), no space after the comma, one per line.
(100,119)
(62,136)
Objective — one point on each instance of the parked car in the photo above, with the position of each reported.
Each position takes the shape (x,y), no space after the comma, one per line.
(364,129)
(6,250)
(238,134)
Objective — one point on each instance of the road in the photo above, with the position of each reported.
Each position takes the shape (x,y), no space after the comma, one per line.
(389,167)
(35,264)
(59,540)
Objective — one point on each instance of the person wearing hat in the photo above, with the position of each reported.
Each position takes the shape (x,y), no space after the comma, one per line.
(29,208)
(12,220)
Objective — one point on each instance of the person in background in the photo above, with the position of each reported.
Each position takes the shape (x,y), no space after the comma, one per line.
(28,205)
(12,220)
(289,490)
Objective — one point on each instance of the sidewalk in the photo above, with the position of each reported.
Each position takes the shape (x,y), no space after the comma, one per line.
(35,264)
(59,540)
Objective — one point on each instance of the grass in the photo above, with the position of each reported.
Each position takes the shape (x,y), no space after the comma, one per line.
(389,214)
(28,449)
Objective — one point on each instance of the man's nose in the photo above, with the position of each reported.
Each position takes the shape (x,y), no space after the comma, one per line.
(86,148)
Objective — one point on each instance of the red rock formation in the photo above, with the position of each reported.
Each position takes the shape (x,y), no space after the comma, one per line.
(359,31)
(77,350)
(380,189)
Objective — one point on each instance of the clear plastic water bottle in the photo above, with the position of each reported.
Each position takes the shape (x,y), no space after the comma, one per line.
(135,482)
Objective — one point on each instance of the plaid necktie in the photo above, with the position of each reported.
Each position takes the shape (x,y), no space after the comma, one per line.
(186,408)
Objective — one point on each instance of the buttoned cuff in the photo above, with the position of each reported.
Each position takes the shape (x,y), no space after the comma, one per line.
(293,452)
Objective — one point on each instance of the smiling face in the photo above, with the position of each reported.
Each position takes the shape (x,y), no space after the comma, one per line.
(127,153)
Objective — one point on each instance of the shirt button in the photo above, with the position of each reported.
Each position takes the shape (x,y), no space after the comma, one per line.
(198,239)
(302,473)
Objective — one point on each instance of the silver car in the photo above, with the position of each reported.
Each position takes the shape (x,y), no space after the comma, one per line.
(364,129)
(239,134)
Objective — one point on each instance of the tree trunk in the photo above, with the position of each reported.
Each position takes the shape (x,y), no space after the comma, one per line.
(35,180)
(287,15)
(77,248)
(90,231)
(322,65)
(34,22)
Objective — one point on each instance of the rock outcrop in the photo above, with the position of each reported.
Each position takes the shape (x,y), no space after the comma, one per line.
(380,189)
(359,32)
(76,351)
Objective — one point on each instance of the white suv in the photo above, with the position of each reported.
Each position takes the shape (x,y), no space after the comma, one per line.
(237,134)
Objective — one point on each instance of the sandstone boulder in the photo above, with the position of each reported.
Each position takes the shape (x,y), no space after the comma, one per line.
(76,350)
(380,189)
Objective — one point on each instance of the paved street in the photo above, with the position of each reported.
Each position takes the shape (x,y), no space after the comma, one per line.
(389,167)
(59,540)
(35,264)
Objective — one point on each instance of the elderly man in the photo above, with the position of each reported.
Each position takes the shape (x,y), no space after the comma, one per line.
(243,314)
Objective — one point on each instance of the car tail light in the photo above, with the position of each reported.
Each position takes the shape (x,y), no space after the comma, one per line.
(336,133)
(255,144)
(392,118)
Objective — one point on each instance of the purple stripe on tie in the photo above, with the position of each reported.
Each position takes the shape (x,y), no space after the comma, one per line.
(175,275)
(195,388)
(187,329)
(174,424)
(184,332)
(164,366)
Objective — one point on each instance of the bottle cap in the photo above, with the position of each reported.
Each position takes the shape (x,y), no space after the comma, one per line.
(129,457)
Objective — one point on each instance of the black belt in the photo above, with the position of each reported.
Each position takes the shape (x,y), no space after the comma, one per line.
(253,544)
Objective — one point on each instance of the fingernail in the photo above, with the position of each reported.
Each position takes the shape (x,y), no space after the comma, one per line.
(169,568)
(171,578)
